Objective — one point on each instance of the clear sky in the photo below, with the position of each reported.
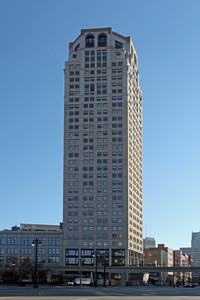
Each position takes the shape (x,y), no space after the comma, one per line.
(34,37)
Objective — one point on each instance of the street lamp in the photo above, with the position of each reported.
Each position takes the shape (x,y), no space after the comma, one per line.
(104,263)
(36,243)
(81,263)
(95,276)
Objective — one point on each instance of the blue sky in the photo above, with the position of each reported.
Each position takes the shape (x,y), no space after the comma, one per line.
(34,46)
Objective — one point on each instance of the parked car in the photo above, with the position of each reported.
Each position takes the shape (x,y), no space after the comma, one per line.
(189,285)
(71,282)
(26,280)
(84,281)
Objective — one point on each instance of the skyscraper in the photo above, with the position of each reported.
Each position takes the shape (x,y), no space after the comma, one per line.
(102,206)
(149,242)
(195,243)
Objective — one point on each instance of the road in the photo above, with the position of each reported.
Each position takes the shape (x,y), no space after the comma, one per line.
(100,293)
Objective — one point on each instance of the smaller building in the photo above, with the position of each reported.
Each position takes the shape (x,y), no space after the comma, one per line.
(182,260)
(195,254)
(159,256)
(16,244)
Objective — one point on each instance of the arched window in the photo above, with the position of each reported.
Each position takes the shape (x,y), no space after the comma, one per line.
(89,41)
(102,40)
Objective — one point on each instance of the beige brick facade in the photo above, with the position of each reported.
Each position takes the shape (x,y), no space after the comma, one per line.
(102,205)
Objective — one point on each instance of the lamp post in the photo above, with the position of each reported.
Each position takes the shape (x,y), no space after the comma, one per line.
(95,278)
(36,243)
(80,272)
(104,268)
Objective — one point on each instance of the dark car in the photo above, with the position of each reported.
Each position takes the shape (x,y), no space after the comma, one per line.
(189,285)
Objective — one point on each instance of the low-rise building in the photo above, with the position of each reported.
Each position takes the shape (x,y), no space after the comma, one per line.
(182,260)
(159,256)
(16,245)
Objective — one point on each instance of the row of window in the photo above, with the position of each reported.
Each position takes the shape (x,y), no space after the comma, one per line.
(101,41)
(91,133)
(98,65)
(91,190)
(92,161)
(91,228)
(90,213)
(91,220)
(101,57)
(76,120)
(93,72)
(92,154)
(98,98)
(91,168)
(99,198)
(75,261)
(29,250)
(77,66)
(74,79)
(102,255)
(100,89)
(91,198)
(98,78)
(74,86)
(99,119)
(76,73)
(98,133)
(98,175)
(27,259)
(28,241)
(91,183)
(99,53)
(91,105)
(93,78)
(98,236)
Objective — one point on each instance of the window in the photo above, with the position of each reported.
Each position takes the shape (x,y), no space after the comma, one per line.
(12,250)
(27,250)
(54,241)
(102,40)
(118,45)
(71,257)
(118,257)
(26,241)
(89,41)
(12,241)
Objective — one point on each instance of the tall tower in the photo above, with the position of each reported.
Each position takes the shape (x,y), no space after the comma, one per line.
(102,205)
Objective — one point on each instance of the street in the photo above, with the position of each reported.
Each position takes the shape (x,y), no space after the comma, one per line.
(91,293)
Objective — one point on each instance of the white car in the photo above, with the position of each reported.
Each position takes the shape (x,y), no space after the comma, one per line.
(71,282)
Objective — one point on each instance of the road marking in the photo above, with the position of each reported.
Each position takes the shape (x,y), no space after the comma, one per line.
(41,294)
